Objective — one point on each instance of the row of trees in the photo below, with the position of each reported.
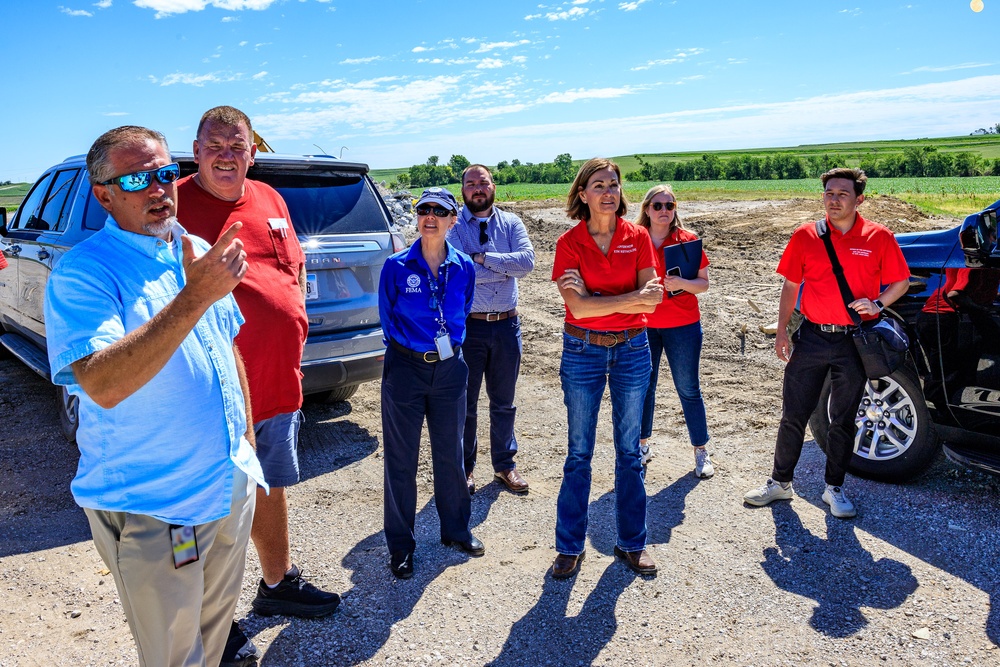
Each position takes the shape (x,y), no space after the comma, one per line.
(561,170)
(916,161)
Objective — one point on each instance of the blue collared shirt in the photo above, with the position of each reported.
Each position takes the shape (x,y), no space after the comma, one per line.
(168,450)
(508,256)
(405,306)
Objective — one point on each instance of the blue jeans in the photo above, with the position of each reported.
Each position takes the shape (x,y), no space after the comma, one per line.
(683,348)
(585,370)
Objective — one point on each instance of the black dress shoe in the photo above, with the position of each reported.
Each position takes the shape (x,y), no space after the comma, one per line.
(401,564)
(473,546)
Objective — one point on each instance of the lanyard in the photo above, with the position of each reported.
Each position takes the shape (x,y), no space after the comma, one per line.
(437,297)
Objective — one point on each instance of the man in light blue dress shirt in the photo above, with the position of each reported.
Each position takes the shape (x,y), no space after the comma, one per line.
(498,242)
(140,322)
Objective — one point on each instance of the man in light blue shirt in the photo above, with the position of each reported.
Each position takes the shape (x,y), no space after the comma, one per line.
(140,323)
(498,242)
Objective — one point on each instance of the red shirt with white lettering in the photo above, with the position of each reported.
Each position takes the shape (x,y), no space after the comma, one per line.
(269,295)
(616,273)
(869,254)
(682,309)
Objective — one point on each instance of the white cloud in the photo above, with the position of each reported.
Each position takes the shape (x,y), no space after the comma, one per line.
(74,12)
(359,61)
(631,6)
(948,68)
(571,14)
(230,19)
(197,80)
(490,63)
(167,7)
(494,46)
(419,49)
(259,75)
(678,57)
(570,96)
(115,113)
(103,4)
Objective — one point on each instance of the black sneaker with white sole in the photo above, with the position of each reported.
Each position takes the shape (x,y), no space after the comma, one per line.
(294,596)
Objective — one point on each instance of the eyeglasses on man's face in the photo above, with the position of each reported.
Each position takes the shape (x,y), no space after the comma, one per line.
(141,180)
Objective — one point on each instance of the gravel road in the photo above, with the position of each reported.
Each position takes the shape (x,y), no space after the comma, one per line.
(911,581)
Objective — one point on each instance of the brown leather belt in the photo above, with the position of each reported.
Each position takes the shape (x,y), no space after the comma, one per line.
(494,317)
(426,357)
(603,338)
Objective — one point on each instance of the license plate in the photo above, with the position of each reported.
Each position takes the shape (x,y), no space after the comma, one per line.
(312,287)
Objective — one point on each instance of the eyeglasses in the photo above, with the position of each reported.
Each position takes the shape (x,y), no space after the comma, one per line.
(438,211)
(660,205)
(140,180)
(483,238)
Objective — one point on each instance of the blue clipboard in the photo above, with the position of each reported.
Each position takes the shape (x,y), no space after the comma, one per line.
(682,259)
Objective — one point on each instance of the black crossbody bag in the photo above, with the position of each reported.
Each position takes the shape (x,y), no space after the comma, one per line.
(881,343)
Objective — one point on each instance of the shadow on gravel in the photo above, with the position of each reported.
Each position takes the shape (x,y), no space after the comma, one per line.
(371,607)
(837,572)
(328,442)
(37,464)
(664,512)
(547,636)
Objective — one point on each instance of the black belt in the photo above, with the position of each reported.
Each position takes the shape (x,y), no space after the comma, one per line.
(426,357)
(603,338)
(831,328)
(494,317)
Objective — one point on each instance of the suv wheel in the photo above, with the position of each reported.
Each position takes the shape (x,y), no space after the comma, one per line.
(69,413)
(334,395)
(895,437)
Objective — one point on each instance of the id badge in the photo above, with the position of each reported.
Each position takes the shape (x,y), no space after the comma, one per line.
(184,544)
(443,345)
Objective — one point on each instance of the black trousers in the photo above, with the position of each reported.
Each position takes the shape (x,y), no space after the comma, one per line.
(815,354)
(412,390)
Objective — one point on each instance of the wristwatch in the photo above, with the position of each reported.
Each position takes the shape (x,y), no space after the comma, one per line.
(879,305)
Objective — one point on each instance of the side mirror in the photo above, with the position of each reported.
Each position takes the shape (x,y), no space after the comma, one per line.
(979,240)
(3,220)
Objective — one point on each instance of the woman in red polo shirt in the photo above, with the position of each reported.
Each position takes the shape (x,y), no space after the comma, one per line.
(675,327)
(605,271)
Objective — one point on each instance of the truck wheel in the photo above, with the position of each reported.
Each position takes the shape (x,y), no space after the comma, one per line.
(895,437)
(69,413)
(334,395)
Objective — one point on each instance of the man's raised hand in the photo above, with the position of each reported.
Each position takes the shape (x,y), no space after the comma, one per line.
(215,274)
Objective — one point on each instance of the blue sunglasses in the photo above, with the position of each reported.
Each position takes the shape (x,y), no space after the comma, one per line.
(140,180)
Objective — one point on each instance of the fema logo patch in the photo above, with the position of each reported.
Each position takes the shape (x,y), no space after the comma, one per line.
(413,280)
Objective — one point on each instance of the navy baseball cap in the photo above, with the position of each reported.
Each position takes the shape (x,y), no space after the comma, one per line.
(439,196)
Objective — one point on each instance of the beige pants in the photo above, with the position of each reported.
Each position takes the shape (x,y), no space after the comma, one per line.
(178,617)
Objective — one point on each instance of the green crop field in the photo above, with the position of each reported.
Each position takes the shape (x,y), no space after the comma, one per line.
(11,195)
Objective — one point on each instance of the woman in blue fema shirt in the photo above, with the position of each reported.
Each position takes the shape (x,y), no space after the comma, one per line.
(425,294)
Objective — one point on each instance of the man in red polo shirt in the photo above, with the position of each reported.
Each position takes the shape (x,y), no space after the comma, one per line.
(824,343)
(272,299)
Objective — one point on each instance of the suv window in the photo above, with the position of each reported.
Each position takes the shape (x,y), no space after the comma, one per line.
(95,215)
(329,204)
(28,212)
(55,212)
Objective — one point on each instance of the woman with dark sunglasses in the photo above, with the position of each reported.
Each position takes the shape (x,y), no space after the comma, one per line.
(425,295)
(675,328)
(606,274)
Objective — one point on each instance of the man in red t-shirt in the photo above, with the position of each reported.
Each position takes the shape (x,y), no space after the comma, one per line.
(272,299)
(871,258)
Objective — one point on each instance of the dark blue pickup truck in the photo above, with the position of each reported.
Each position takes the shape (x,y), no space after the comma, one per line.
(342,223)
(948,394)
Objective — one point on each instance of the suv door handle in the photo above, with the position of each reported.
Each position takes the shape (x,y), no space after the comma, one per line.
(43,254)
(14,250)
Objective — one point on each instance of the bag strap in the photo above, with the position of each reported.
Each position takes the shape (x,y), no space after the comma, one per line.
(838,271)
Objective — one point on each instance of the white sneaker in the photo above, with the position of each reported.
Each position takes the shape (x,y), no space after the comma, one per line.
(703,463)
(645,453)
(840,506)
(764,495)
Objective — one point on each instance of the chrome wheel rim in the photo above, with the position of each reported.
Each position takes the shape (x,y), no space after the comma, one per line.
(886,421)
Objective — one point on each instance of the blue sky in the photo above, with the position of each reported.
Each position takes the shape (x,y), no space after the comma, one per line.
(390,83)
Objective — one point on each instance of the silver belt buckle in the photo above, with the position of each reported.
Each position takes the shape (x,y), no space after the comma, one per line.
(493,317)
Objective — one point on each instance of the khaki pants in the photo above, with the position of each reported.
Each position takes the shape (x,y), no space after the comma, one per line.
(178,617)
